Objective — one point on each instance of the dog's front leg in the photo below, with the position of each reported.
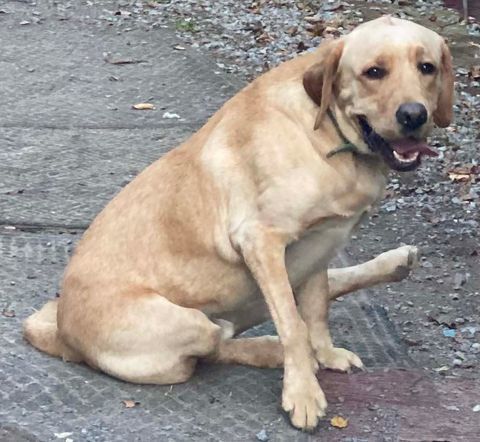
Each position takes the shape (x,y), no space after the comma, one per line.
(391,266)
(264,253)
(314,302)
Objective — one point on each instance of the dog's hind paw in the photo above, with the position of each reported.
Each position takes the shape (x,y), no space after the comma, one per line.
(338,359)
(399,262)
(228,329)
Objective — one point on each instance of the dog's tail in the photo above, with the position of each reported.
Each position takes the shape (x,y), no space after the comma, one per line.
(40,329)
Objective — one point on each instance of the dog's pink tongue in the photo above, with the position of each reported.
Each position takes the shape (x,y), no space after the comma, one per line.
(408,145)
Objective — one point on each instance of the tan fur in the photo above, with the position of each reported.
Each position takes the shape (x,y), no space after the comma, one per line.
(217,235)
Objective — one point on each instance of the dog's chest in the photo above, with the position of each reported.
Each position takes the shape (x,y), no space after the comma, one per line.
(328,224)
(317,246)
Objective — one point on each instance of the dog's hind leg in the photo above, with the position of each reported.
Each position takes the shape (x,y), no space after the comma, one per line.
(261,351)
(143,337)
(313,303)
(390,266)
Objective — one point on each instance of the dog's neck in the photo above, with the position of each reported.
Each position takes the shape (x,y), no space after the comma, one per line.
(349,139)
(346,129)
(346,145)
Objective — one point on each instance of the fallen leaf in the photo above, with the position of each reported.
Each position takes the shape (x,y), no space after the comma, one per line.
(8,313)
(458,177)
(462,174)
(442,319)
(313,19)
(292,30)
(474,72)
(108,59)
(331,31)
(263,38)
(143,106)
(316,29)
(339,422)
(442,368)
(129,403)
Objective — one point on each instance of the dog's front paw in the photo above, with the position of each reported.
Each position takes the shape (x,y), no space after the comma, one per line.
(338,359)
(304,400)
(401,261)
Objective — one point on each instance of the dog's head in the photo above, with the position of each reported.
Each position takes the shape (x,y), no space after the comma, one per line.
(391,79)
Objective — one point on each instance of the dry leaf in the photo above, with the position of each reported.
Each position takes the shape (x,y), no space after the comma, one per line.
(125,61)
(263,38)
(330,30)
(292,30)
(316,28)
(458,177)
(129,403)
(442,368)
(462,174)
(314,19)
(143,106)
(474,72)
(108,58)
(8,313)
(338,422)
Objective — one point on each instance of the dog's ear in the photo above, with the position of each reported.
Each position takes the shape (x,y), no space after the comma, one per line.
(319,79)
(444,113)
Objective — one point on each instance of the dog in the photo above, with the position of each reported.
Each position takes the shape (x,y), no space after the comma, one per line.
(238,224)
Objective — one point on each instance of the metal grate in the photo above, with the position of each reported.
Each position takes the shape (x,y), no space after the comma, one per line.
(44,395)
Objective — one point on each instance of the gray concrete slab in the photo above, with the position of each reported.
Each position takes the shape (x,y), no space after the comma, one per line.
(65,177)
(54,72)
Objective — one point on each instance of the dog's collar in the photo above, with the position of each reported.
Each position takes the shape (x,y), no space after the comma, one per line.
(347,145)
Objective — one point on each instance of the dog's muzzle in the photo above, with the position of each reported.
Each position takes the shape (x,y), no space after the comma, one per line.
(402,155)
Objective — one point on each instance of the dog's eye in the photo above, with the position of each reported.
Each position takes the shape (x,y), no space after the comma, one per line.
(426,68)
(375,73)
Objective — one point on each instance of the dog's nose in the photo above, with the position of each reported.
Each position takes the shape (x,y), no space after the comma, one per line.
(411,115)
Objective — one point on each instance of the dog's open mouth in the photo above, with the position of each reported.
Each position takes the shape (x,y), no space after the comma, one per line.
(403,155)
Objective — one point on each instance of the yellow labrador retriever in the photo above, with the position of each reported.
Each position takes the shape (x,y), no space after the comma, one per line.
(239,223)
